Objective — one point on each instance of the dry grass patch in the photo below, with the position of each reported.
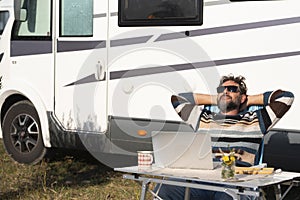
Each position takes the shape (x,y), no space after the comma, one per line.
(65,177)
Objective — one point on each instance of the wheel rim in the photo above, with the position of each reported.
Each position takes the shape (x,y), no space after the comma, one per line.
(24,133)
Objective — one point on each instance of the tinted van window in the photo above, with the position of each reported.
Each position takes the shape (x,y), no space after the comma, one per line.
(4,15)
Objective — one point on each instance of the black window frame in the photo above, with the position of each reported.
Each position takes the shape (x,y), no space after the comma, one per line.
(123,22)
(17,24)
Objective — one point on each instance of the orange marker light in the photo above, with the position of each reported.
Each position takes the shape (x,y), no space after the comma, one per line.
(142,132)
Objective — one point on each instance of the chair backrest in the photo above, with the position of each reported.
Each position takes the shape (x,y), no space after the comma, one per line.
(214,108)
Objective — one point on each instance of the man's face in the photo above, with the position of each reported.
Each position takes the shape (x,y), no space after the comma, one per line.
(229,100)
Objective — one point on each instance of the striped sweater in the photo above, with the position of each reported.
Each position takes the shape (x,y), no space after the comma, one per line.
(243,132)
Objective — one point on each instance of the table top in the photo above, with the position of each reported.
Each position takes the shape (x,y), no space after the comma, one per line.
(214,176)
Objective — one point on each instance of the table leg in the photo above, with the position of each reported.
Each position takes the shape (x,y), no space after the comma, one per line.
(277,189)
(292,184)
(187,193)
(232,194)
(145,185)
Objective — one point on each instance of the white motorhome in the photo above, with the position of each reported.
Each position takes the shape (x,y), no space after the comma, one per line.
(99,74)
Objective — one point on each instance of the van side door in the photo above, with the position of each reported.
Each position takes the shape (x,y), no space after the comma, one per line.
(80,65)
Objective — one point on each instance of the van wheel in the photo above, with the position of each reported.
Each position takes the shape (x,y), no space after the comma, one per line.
(22,135)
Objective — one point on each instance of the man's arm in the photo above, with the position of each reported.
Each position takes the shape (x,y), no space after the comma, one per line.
(276,104)
(185,106)
(205,99)
(257,99)
(195,98)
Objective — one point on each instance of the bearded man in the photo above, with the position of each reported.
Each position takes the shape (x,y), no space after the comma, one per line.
(231,123)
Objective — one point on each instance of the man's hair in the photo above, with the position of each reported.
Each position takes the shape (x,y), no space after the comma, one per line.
(239,80)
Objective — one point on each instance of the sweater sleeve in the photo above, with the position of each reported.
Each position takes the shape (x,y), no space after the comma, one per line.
(276,104)
(185,107)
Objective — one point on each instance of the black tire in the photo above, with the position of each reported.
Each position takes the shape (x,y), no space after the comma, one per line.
(22,134)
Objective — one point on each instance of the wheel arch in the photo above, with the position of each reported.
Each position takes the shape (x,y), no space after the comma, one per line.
(12,96)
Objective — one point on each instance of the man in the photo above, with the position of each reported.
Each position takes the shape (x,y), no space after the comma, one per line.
(232,125)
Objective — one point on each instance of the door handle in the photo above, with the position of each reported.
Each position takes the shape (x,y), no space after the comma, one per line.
(100,71)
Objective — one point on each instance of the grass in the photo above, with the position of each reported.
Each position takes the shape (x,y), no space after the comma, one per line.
(64,177)
(72,177)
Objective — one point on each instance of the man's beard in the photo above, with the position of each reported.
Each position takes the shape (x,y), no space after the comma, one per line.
(227,107)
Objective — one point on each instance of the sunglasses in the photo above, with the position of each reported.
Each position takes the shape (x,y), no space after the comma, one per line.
(230,88)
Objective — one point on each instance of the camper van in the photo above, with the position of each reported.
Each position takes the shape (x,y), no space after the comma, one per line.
(98,75)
